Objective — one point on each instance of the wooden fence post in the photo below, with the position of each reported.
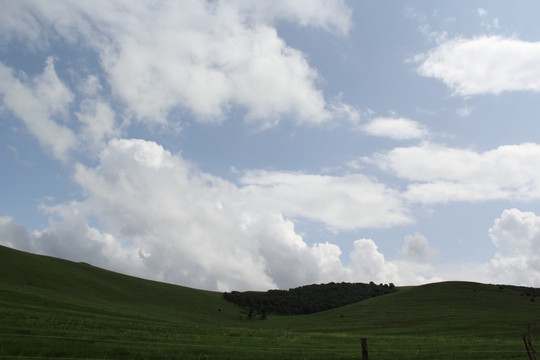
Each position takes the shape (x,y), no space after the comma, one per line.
(527,339)
(364,349)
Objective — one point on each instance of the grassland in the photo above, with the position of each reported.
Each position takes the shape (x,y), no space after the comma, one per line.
(56,309)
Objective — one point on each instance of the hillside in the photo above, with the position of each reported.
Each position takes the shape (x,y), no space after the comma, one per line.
(51,308)
(67,284)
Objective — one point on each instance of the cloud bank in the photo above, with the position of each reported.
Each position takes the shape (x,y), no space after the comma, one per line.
(167,220)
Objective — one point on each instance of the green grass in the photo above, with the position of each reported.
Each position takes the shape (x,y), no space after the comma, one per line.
(51,309)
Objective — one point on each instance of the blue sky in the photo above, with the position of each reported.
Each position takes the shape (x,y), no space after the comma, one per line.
(232,145)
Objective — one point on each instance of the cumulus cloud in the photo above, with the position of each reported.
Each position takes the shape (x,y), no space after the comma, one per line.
(281,263)
(200,57)
(441,174)
(395,128)
(42,104)
(194,228)
(369,262)
(517,236)
(167,221)
(484,65)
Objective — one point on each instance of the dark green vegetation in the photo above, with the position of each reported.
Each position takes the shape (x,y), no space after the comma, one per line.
(307,299)
(50,308)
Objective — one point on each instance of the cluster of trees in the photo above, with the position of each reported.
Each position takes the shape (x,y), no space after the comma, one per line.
(306,299)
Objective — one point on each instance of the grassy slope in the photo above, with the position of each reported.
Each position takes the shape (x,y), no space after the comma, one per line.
(131,318)
(81,286)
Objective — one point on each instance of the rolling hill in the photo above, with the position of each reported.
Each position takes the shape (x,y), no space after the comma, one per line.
(52,308)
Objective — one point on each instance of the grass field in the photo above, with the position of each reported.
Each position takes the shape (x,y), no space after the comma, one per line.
(55,309)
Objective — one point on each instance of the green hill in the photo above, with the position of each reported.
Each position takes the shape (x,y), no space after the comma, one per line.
(52,309)
(69,285)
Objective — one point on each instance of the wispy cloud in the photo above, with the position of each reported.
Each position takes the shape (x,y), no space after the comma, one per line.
(464,111)
(42,105)
(486,22)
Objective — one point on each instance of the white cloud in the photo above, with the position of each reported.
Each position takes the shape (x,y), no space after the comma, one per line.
(517,236)
(16,23)
(196,229)
(98,121)
(70,237)
(441,174)
(342,203)
(343,111)
(488,25)
(42,104)
(395,128)
(484,65)
(281,262)
(200,57)
(13,235)
(90,86)
(174,223)
(417,249)
(333,16)
(369,263)
(426,28)
(95,114)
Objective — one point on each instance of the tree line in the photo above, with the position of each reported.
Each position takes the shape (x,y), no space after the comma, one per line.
(306,299)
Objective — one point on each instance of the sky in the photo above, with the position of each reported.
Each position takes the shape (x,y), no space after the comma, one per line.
(253,145)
